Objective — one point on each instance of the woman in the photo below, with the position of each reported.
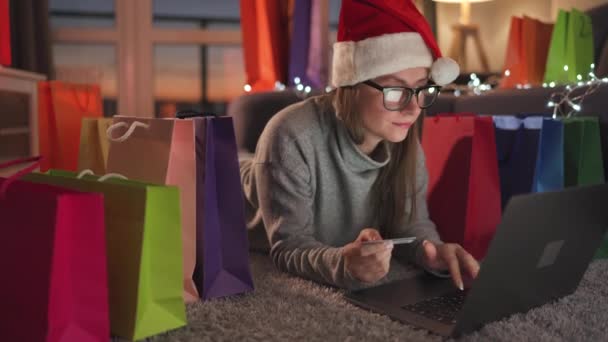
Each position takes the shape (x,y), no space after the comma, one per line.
(337,170)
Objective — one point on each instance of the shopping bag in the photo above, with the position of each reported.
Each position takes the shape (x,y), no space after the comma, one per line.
(161,151)
(571,49)
(517,150)
(583,162)
(537,36)
(265,42)
(556,58)
(5,34)
(94,145)
(464,185)
(317,71)
(515,65)
(144,255)
(174,151)
(580,50)
(549,170)
(527,50)
(300,43)
(62,106)
(222,265)
(53,259)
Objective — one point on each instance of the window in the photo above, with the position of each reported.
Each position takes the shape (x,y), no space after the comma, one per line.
(188,55)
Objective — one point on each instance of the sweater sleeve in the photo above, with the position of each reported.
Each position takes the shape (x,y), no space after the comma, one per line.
(421,227)
(286,198)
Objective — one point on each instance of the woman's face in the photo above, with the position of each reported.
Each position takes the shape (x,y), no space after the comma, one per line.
(382,124)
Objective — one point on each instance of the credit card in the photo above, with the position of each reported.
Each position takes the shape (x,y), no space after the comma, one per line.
(398,241)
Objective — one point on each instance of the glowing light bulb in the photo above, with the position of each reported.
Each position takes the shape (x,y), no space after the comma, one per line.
(247,88)
(307,89)
(507,72)
(300,87)
(296,80)
(576,107)
(552,84)
(565,68)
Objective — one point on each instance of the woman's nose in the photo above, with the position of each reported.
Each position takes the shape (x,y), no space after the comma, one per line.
(412,107)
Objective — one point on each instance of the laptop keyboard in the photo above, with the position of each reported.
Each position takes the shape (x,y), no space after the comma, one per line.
(443,308)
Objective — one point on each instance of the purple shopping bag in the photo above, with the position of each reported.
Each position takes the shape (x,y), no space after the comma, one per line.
(222,264)
(300,42)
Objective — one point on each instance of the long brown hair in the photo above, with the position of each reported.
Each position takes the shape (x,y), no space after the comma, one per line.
(397,180)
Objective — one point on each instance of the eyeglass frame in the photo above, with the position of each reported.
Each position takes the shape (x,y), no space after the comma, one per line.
(411,92)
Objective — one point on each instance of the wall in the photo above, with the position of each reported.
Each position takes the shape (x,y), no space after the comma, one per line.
(493,19)
(582,5)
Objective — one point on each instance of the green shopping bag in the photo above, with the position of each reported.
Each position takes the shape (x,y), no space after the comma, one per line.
(579,51)
(556,58)
(571,46)
(144,251)
(583,163)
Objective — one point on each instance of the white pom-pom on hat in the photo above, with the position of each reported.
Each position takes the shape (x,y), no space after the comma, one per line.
(444,70)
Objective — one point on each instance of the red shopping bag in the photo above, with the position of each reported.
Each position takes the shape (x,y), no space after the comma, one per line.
(61,108)
(5,34)
(53,259)
(464,184)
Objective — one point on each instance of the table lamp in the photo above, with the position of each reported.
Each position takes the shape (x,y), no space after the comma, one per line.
(462,31)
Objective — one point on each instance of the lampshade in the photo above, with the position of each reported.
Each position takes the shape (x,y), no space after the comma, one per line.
(465,8)
(460,1)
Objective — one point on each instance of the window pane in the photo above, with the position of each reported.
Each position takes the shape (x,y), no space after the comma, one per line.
(77,13)
(201,78)
(200,13)
(92,64)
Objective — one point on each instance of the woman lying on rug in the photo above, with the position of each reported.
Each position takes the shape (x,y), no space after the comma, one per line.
(336,170)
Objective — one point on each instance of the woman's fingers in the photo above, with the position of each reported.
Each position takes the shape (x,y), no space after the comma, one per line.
(468,262)
(369,234)
(454,267)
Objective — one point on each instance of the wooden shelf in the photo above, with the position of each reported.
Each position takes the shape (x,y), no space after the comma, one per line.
(20,74)
(14,131)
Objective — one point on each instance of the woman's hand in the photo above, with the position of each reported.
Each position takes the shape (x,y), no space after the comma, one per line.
(368,263)
(450,256)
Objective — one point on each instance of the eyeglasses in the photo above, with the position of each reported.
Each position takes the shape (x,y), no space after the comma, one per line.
(397,98)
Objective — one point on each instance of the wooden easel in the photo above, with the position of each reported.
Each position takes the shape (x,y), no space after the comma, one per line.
(459,43)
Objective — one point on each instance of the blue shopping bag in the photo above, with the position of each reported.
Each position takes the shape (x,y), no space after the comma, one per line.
(549,171)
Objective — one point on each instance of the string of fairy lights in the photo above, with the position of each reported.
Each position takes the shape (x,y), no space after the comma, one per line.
(565,102)
(570,100)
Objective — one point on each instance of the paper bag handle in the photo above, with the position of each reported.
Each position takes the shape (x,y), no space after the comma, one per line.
(185,114)
(101,179)
(36,164)
(129,131)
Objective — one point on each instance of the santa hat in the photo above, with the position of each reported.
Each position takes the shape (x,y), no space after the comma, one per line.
(380,37)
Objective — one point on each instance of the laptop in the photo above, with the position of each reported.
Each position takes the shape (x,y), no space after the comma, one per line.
(539,253)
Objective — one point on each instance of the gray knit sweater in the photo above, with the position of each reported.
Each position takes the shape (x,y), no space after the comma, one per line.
(309,186)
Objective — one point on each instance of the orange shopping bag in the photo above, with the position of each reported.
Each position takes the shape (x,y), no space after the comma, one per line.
(61,108)
(537,36)
(265,41)
(527,50)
